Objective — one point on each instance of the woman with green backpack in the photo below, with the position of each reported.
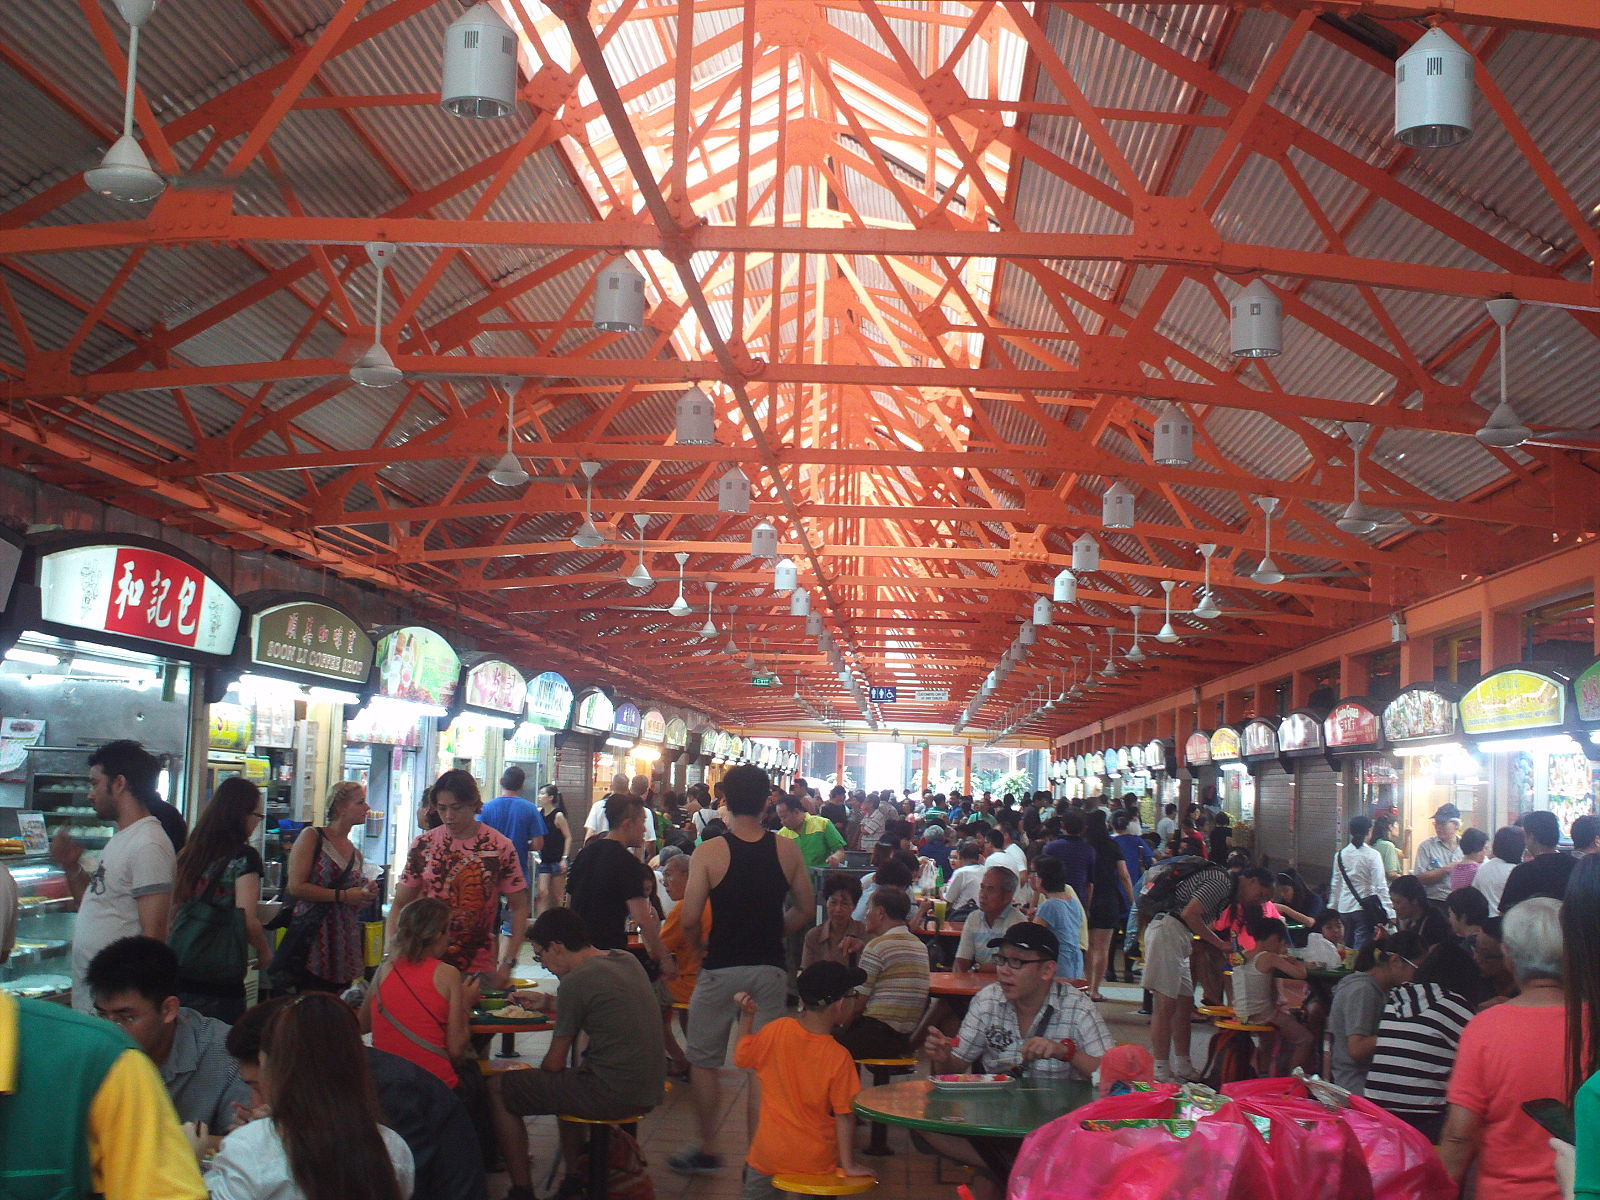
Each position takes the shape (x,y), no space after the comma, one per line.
(215,894)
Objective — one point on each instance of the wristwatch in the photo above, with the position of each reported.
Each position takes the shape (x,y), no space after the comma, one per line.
(1071,1047)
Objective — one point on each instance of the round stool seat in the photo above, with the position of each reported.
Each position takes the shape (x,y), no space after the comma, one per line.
(906,1063)
(681,1005)
(572,1120)
(824,1185)
(1241,1027)
(490,1067)
(1215,1010)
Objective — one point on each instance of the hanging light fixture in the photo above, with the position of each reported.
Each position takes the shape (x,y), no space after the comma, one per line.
(618,298)
(508,472)
(479,78)
(375,369)
(1043,613)
(1267,571)
(1085,554)
(1173,444)
(697,419)
(1116,506)
(1433,91)
(640,576)
(587,536)
(1064,588)
(813,624)
(1206,605)
(1136,652)
(1257,322)
(764,540)
(733,491)
(1027,635)
(125,173)
(709,629)
(680,606)
(1168,634)
(799,602)
(1504,428)
(785,575)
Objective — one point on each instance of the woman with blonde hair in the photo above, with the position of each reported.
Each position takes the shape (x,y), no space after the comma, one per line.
(322,951)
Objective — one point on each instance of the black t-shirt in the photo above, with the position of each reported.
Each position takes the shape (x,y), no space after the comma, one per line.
(433,1123)
(600,882)
(837,813)
(1546,875)
(171,821)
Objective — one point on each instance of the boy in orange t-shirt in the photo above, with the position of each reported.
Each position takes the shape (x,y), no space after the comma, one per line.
(806,1078)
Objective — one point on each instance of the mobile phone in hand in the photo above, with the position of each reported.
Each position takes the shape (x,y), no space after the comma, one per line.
(1554,1117)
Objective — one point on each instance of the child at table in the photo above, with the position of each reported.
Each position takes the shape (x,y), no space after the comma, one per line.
(1322,945)
(1255,995)
(808,1082)
(1059,909)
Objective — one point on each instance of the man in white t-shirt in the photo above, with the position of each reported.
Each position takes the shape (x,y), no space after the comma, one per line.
(130,891)
(1168,825)
(597,826)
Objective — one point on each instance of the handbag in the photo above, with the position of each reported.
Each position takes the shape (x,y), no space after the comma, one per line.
(294,951)
(209,938)
(1371,907)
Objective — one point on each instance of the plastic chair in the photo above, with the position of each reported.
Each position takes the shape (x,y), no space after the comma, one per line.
(599,1148)
(882,1071)
(824,1185)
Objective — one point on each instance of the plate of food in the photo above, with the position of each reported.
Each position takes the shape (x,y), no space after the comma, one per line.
(510,1014)
(971,1082)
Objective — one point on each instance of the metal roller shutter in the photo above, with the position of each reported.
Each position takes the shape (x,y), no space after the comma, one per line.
(1316,821)
(1274,818)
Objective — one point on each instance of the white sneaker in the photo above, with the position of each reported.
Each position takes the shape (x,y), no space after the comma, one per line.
(1183,1071)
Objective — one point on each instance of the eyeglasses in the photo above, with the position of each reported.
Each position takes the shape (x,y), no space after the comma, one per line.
(121,1017)
(1408,962)
(1016,964)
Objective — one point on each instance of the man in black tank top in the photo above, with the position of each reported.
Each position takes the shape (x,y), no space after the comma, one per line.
(758,890)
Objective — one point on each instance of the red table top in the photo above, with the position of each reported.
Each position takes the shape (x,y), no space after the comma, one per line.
(959,983)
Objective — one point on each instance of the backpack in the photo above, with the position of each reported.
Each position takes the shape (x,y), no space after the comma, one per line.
(1159,885)
(627,1173)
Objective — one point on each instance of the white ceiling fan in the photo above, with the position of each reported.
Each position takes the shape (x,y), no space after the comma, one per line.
(1505,428)
(1359,517)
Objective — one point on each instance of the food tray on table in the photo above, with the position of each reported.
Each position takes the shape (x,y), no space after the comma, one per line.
(970,1082)
(512,1015)
(37,985)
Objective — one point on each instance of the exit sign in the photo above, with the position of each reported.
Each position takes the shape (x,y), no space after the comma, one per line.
(883,695)
(763,680)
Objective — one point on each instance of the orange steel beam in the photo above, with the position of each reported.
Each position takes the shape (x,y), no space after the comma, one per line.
(1531,283)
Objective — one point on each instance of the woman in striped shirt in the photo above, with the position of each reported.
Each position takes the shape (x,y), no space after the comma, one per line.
(1418,1036)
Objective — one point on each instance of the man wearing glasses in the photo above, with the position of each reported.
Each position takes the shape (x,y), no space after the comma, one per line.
(1027,1019)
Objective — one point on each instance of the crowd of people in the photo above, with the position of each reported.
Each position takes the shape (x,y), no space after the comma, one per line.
(681,935)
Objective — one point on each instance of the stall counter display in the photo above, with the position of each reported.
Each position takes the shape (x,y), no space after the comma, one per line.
(41,964)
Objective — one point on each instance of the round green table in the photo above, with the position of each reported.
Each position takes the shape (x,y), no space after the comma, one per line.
(994,1120)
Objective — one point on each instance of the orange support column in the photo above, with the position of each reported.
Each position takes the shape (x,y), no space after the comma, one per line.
(925,760)
(1301,684)
(1501,643)
(1353,675)
(1416,661)
(966,768)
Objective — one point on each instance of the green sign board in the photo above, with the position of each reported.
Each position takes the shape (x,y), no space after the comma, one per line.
(312,639)
(763,680)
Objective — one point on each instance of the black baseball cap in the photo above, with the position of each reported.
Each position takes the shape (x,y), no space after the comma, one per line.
(1025,935)
(1447,812)
(822,983)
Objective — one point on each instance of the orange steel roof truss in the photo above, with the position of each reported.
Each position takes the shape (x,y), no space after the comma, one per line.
(941,267)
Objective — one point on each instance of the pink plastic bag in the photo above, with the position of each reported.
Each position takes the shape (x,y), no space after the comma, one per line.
(1315,1154)
(1402,1162)
(1224,1157)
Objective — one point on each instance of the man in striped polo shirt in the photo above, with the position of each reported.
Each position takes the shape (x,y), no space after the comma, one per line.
(896,963)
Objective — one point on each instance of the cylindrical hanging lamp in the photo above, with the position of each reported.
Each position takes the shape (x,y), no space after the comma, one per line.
(733,492)
(784,575)
(618,298)
(1174,439)
(813,624)
(1043,613)
(479,78)
(697,419)
(764,540)
(1257,322)
(799,602)
(1085,554)
(1064,589)
(1116,506)
(1027,635)
(1433,91)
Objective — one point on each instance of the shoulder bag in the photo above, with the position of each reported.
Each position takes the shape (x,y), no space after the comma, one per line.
(289,961)
(1371,907)
(209,938)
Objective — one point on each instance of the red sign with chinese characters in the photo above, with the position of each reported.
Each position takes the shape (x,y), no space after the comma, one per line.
(154,596)
(137,592)
(1350,725)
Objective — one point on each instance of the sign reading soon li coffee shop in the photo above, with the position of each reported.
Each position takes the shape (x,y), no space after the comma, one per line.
(312,639)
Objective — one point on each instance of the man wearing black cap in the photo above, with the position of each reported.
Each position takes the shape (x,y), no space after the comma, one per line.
(1026,1022)
(1439,853)
(1027,1018)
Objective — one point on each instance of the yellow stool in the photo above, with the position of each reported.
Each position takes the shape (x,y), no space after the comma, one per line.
(1242,1027)
(1215,1011)
(595,1188)
(824,1185)
(882,1071)
(1227,1029)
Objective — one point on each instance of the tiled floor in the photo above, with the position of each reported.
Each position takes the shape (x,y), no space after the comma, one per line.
(907,1175)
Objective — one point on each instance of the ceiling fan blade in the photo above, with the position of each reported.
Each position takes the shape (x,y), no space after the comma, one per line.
(1564,439)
